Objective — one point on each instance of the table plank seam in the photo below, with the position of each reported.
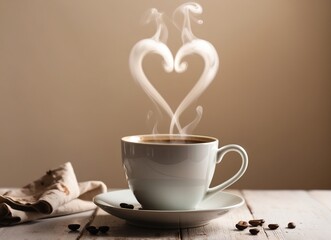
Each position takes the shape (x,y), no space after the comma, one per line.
(250,208)
(88,223)
(180,234)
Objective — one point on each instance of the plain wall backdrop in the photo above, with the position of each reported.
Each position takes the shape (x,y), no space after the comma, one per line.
(66,93)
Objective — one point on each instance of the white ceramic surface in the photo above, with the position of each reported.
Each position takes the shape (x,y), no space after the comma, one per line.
(175,175)
(207,210)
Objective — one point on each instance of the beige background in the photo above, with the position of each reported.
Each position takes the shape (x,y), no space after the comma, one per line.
(66,93)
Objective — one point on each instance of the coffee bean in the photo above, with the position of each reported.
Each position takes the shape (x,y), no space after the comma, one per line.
(256,222)
(291,225)
(92,230)
(254,231)
(241,225)
(125,205)
(90,227)
(73,227)
(103,229)
(273,226)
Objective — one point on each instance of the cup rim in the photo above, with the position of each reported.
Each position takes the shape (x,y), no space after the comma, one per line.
(136,139)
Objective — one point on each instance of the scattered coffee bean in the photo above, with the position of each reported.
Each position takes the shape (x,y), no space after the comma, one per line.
(273,226)
(291,225)
(241,225)
(90,227)
(256,222)
(103,229)
(73,226)
(254,231)
(92,230)
(125,205)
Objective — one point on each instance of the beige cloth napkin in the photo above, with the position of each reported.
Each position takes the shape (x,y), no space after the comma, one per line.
(54,194)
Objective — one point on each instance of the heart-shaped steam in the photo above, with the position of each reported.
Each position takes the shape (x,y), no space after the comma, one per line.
(191,45)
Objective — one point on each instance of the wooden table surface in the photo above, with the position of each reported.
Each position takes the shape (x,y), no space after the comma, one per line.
(310,210)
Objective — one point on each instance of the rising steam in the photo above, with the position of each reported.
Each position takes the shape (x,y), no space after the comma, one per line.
(191,45)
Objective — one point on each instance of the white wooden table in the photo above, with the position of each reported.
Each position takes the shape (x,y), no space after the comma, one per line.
(310,210)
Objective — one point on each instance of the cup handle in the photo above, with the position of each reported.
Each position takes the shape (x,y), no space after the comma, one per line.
(244,163)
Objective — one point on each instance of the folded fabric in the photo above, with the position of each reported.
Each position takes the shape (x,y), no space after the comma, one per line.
(54,194)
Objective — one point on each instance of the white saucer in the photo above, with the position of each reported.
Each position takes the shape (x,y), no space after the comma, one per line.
(207,210)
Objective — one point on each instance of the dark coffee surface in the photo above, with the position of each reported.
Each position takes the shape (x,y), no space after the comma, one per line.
(176,141)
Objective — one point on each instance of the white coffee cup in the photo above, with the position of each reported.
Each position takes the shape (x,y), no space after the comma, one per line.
(174,172)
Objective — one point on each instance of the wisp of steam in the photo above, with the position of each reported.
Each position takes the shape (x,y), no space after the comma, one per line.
(190,45)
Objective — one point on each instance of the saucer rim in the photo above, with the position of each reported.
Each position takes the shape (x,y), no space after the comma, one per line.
(228,207)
